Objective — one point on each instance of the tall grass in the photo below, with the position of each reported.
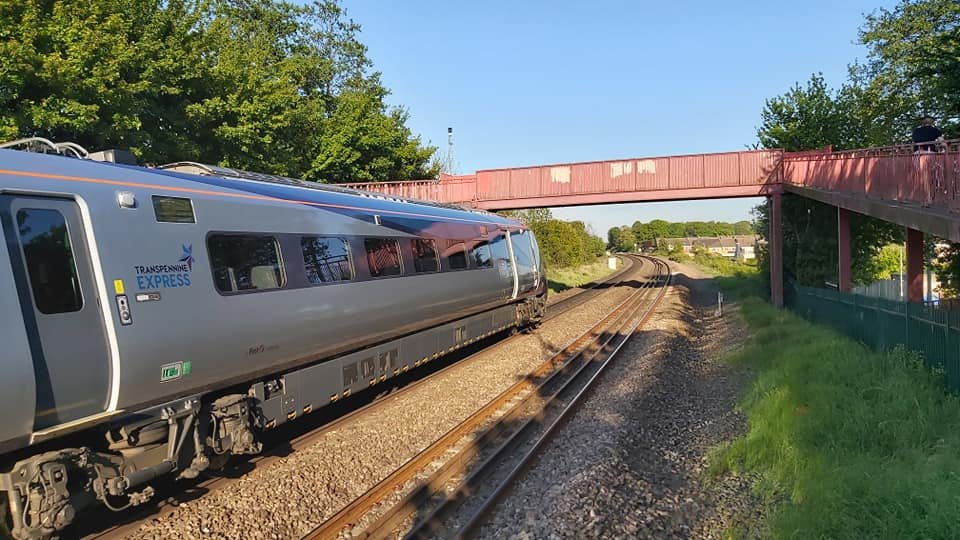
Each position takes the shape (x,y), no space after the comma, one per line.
(846,442)
(561,279)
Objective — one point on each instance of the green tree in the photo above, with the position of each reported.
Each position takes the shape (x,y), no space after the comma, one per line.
(531,216)
(614,238)
(628,242)
(948,271)
(888,261)
(658,228)
(108,73)
(641,232)
(743,227)
(913,67)
(264,85)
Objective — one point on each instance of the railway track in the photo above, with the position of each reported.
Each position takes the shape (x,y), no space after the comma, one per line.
(449,489)
(300,435)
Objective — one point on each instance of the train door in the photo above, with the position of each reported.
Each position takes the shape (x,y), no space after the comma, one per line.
(60,305)
(503,257)
(537,260)
(523,253)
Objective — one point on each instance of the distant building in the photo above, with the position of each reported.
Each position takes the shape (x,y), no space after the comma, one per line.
(740,247)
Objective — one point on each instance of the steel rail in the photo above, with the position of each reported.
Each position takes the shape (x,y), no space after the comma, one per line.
(301,441)
(521,393)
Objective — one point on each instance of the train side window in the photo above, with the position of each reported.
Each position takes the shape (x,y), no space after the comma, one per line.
(326,259)
(498,247)
(424,255)
(245,262)
(456,255)
(480,254)
(522,249)
(49,257)
(383,256)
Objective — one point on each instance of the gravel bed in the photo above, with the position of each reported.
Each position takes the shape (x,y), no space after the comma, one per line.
(290,496)
(631,462)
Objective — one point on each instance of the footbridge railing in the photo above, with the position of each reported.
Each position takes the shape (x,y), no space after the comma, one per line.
(928,178)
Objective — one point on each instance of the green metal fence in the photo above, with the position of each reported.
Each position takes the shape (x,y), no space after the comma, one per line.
(883,324)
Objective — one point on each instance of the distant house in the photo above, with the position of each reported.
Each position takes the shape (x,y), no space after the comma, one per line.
(741,247)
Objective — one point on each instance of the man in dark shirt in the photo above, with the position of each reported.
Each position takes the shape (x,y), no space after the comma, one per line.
(926,133)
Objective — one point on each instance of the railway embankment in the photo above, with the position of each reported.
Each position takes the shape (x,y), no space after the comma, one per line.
(840,441)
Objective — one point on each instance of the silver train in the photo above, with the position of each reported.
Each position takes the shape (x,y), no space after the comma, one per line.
(156,321)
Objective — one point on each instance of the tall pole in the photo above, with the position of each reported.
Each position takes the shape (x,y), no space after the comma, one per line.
(450,150)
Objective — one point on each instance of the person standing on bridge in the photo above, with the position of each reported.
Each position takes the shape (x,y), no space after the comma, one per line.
(926,133)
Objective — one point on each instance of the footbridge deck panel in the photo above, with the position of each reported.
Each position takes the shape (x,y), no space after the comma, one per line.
(696,176)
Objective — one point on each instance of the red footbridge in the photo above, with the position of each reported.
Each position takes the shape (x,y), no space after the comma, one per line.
(919,191)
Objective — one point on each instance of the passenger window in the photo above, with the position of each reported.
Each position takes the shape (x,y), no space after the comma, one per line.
(498,247)
(456,255)
(481,255)
(326,259)
(522,250)
(245,262)
(383,256)
(424,255)
(49,258)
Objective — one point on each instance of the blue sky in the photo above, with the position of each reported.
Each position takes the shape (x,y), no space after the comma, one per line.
(525,83)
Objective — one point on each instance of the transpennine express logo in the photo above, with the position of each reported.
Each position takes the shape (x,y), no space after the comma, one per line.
(187,256)
(167,276)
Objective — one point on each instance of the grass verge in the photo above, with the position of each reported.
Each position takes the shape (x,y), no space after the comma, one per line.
(845,442)
(561,279)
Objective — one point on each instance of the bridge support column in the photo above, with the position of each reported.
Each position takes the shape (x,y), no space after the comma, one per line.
(775,244)
(845,260)
(914,266)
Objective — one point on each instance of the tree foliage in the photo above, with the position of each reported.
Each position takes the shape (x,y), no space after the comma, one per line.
(913,67)
(265,85)
(621,238)
(647,233)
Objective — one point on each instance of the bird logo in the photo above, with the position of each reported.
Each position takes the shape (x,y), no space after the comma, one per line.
(187,255)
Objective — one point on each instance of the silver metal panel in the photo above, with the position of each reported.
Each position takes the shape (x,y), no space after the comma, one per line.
(17,388)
